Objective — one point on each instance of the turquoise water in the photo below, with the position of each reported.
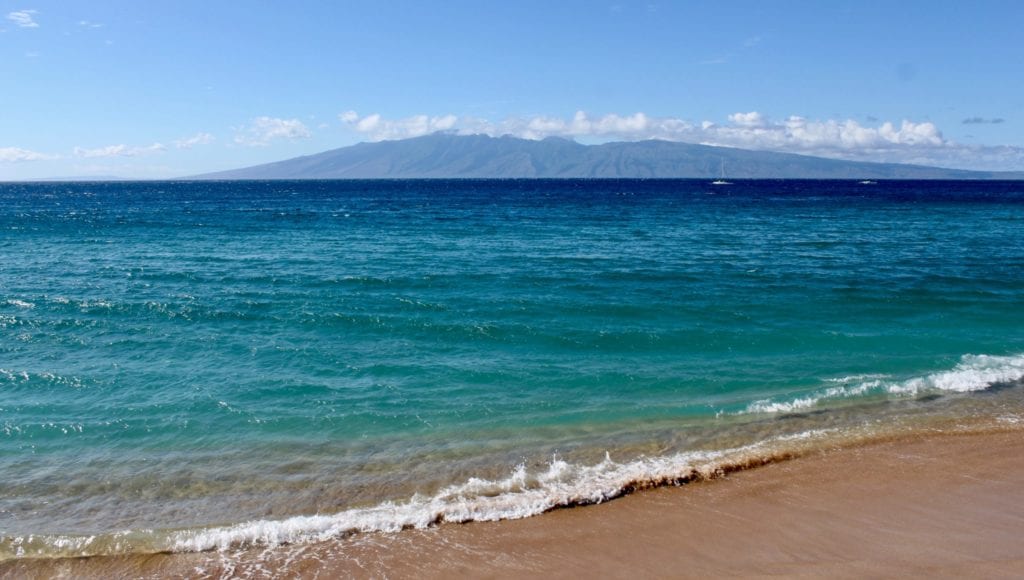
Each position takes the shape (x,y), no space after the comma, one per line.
(178,359)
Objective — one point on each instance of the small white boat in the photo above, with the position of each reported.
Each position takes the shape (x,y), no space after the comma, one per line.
(867,182)
(721,180)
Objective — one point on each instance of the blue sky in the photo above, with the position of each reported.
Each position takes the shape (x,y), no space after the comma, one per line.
(165,89)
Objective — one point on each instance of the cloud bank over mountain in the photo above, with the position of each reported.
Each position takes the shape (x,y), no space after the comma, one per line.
(904,142)
(447,155)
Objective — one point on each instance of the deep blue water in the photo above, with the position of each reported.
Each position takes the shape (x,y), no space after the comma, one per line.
(177,354)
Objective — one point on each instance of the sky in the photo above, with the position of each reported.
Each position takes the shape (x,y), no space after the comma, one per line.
(164,89)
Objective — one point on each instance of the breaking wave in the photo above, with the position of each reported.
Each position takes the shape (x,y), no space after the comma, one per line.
(519,495)
(972,373)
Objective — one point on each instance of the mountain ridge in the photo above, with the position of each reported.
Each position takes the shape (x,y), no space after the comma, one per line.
(445,155)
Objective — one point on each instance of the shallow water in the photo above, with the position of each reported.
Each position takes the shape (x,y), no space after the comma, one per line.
(178,359)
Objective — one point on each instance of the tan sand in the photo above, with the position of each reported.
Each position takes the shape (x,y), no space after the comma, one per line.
(941,506)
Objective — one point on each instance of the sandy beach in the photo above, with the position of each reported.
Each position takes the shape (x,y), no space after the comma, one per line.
(930,506)
(940,506)
(409,290)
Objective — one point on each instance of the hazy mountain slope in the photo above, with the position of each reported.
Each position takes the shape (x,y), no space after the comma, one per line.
(452,156)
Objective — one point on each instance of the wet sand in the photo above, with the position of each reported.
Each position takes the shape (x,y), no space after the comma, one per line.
(941,506)
(936,506)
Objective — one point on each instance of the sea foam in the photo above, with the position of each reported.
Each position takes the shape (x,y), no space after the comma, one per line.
(517,496)
(972,373)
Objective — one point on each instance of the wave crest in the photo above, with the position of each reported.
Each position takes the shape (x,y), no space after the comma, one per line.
(519,495)
(972,373)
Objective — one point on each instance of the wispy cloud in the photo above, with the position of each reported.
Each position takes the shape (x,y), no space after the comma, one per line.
(23,18)
(715,60)
(89,24)
(119,151)
(902,142)
(983,121)
(197,139)
(262,130)
(748,43)
(16,154)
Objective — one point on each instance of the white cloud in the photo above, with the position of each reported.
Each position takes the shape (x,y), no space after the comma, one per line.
(380,129)
(903,142)
(23,18)
(197,139)
(830,138)
(118,151)
(262,130)
(14,154)
(89,24)
(751,119)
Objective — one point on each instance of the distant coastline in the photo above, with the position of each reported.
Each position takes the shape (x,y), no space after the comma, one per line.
(448,156)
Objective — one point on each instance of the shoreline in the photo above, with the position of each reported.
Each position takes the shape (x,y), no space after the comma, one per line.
(923,505)
(928,506)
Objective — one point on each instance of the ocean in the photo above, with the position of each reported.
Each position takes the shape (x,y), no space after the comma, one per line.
(191,366)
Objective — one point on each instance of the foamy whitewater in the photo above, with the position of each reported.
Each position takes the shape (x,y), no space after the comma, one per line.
(208,366)
(973,373)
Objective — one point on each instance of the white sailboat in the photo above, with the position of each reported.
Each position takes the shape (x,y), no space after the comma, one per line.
(721,180)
